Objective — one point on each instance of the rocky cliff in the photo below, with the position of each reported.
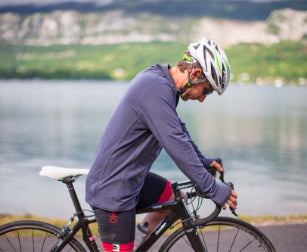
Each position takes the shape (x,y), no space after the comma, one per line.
(66,27)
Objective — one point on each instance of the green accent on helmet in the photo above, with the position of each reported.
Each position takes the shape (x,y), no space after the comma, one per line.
(217,60)
(227,66)
(189,84)
(186,57)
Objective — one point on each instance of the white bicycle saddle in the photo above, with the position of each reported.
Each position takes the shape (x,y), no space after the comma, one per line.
(58,173)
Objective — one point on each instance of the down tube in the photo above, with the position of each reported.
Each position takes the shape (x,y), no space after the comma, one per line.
(165,224)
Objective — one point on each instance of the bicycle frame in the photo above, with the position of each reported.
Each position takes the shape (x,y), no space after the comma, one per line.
(192,230)
(178,211)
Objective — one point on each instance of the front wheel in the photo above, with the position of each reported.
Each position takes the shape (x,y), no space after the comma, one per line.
(222,234)
(30,235)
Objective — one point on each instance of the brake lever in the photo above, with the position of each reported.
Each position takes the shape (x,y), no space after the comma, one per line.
(221,177)
(230,184)
(231,209)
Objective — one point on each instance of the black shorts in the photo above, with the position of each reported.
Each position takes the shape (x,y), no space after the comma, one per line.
(156,189)
(118,228)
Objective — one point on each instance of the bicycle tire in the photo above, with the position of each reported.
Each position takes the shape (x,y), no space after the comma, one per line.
(221,234)
(31,235)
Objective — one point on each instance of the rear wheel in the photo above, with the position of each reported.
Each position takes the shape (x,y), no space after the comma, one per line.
(222,234)
(32,235)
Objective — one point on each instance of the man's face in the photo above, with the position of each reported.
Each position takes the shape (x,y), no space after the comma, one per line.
(198,91)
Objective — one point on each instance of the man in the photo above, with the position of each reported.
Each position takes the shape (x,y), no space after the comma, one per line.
(144,122)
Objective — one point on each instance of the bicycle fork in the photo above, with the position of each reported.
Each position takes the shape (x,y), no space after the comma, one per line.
(190,231)
(194,238)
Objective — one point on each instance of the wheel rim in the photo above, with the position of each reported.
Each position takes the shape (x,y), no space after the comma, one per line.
(30,239)
(223,236)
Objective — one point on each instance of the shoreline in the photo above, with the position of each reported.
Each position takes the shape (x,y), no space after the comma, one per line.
(269,220)
(265,220)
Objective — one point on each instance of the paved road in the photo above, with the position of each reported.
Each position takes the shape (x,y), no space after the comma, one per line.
(287,238)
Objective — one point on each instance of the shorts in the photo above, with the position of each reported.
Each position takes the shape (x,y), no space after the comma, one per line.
(117,229)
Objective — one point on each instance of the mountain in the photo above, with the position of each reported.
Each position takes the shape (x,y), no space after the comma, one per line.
(120,25)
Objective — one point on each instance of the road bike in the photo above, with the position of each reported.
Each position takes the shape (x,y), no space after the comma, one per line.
(181,230)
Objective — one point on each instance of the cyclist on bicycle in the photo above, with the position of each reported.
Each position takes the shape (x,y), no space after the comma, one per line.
(145,121)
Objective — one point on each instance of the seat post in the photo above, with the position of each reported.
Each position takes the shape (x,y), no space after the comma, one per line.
(69,183)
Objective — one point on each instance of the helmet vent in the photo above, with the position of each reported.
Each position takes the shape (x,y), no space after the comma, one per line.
(206,50)
(217,49)
(205,58)
(196,46)
(213,73)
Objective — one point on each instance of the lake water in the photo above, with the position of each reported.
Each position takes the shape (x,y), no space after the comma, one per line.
(260,133)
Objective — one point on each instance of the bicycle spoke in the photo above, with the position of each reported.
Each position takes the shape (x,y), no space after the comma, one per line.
(19,240)
(203,239)
(233,242)
(10,243)
(249,243)
(44,241)
(218,238)
(32,240)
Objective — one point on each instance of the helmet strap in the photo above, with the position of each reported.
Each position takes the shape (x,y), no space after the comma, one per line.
(185,87)
(189,83)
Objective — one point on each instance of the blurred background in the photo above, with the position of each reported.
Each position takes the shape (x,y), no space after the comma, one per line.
(64,65)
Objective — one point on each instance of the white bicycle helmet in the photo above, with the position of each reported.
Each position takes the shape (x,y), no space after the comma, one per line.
(213,61)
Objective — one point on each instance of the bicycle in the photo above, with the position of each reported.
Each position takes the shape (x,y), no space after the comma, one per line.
(211,233)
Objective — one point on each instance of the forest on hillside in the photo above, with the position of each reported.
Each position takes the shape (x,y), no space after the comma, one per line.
(251,63)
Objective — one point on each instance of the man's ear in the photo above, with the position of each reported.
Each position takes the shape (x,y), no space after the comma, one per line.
(195,72)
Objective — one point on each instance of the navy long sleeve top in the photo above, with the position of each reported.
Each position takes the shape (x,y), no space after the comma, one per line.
(144,122)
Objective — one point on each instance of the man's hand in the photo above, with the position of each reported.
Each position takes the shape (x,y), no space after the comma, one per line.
(217,166)
(232,201)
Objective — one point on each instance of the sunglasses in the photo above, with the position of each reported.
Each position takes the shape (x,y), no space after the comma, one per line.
(207,90)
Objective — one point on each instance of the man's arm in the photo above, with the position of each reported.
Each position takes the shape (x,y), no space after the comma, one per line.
(157,109)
